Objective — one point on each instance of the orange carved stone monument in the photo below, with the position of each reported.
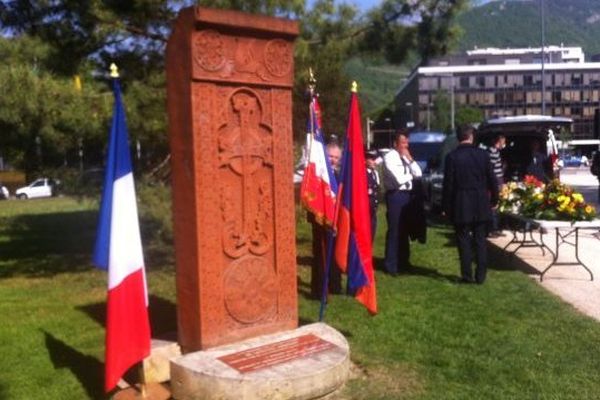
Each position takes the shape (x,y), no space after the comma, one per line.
(229,80)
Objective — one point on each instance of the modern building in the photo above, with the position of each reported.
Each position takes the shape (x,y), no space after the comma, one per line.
(506,82)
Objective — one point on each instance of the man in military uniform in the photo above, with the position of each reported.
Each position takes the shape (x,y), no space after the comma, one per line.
(373,184)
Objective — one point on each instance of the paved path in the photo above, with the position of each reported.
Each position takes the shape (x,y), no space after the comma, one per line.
(582,180)
(572,283)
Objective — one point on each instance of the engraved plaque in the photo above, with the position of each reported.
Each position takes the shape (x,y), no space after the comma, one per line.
(276,353)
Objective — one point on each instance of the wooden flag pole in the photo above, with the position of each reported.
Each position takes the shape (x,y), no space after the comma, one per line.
(142,373)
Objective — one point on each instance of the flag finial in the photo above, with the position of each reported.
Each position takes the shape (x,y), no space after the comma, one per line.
(354,88)
(312,81)
(114,71)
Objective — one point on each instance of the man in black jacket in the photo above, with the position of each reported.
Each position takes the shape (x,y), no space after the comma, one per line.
(470,191)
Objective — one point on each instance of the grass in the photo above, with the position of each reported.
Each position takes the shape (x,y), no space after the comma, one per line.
(433,339)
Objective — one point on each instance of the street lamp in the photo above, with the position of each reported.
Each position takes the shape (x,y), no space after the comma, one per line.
(389,121)
(543,58)
(80,144)
(38,150)
(369,133)
(452,127)
(451,76)
(429,105)
(410,123)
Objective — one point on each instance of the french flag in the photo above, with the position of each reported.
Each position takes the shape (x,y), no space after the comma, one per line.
(353,247)
(319,186)
(119,250)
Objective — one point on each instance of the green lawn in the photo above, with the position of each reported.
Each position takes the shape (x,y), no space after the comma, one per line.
(433,339)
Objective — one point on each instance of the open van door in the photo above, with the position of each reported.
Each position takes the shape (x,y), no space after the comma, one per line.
(520,131)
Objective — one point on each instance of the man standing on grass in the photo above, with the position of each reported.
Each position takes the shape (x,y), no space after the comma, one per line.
(470,192)
(399,170)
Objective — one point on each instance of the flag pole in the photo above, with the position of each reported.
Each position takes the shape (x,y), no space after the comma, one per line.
(330,240)
(143,389)
(312,90)
(312,82)
(331,234)
(312,85)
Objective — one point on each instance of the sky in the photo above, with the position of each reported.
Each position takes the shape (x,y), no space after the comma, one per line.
(363,5)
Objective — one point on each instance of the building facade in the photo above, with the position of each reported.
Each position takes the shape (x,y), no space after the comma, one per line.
(506,82)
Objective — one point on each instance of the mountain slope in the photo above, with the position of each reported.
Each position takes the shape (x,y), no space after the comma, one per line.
(517,23)
(378,82)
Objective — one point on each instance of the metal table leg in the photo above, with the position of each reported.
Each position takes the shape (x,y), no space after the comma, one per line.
(560,240)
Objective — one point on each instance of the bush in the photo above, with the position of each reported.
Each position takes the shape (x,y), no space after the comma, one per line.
(154,202)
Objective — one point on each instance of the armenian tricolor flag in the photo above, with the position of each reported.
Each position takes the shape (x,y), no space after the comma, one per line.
(353,249)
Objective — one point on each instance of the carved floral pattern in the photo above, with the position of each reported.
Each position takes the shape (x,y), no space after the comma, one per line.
(220,55)
(250,290)
(209,51)
(278,57)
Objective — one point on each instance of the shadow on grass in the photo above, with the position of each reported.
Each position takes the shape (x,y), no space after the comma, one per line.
(162,312)
(450,238)
(503,260)
(435,220)
(3,394)
(417,270)
(87,369)
(43,245)
(304,260)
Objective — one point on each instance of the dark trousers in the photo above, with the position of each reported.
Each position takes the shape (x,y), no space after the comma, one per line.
(319,246)
(494,223)
(471,237)
(397,248)
(373,223)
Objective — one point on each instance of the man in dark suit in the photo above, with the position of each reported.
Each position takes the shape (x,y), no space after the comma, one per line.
(470,191)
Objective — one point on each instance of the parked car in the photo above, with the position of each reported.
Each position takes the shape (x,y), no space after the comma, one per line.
(572,160)
(434,178)
(4,193)
(42,187)
(425,148)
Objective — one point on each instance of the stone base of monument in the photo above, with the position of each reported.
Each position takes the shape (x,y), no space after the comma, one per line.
(305,363)
(156,365)
(150,391)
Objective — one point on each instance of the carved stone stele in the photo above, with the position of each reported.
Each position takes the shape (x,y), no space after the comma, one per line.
(229,80)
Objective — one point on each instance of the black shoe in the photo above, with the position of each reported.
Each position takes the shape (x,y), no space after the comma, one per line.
(466,280)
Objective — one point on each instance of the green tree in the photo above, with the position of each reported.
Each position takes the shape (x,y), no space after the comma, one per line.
(42,117)
(82,38)
(399,27)
(441,115)
(468,115)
